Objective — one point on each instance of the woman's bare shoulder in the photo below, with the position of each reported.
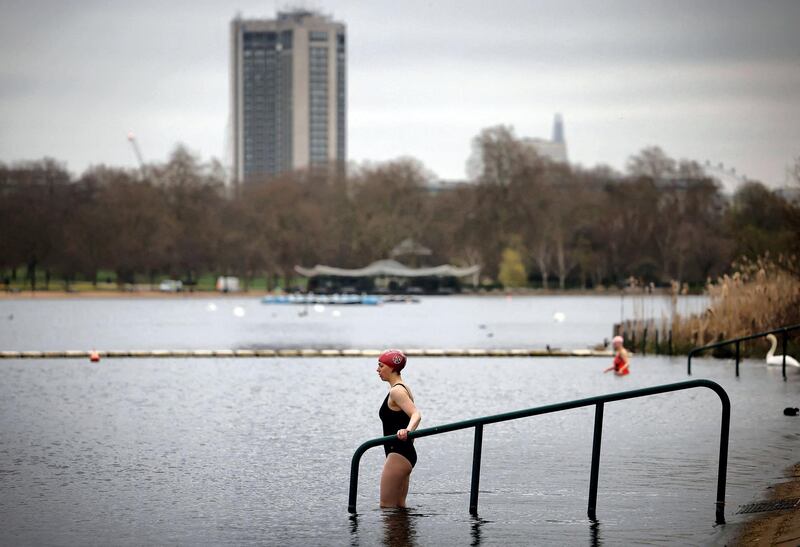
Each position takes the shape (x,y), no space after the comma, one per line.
(400,391)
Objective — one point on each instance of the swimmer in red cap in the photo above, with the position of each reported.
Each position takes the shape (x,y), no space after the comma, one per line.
(621,361)
(399,416)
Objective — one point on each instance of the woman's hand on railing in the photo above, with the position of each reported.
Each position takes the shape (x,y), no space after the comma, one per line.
(402,434)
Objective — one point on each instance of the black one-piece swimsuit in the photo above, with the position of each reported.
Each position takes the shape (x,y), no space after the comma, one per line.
(394,420)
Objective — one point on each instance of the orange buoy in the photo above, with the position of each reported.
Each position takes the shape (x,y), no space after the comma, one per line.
(94,357)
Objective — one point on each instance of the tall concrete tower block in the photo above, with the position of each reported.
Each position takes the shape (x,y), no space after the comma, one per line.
(288,86)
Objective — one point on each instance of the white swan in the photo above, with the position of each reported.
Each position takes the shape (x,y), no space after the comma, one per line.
(777,360)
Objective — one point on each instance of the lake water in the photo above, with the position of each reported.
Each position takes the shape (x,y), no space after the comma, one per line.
(249,451)
(203,323)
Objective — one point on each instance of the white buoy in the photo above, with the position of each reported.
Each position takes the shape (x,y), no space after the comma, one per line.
(336,313)
(238,311)
(211,307)
(559,317)
(319,308)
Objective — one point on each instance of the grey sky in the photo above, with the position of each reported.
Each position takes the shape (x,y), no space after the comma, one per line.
(704,80)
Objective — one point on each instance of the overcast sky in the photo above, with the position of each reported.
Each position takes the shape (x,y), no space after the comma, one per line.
(703,80)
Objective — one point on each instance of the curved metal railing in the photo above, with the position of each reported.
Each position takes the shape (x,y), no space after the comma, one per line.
(783,331)
(599,402)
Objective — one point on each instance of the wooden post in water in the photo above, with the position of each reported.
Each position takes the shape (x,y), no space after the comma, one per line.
(644,341)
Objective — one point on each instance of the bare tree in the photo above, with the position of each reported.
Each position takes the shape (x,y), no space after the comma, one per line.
(652,163)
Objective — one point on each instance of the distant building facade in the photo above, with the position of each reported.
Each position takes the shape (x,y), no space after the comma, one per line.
(788,193)
(554,149)
(728,179)
(288,93)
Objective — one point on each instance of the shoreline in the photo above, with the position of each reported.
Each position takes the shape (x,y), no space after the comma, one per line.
(110,294)
(780,527)
(155,294)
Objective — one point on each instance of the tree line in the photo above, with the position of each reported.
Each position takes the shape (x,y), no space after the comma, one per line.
(525,220)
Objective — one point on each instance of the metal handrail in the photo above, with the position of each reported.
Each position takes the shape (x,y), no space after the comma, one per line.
(599,402)
(784,332)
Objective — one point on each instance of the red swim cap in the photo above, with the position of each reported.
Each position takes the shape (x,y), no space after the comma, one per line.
(393,358)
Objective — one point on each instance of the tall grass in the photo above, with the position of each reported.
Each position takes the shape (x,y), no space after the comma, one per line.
(759,295)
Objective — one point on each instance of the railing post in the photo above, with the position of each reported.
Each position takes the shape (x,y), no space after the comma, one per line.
(723,454)
(354,464)
(737,358)
(351,503)
(476,470)
(689,363)
(785,339)
(593,479)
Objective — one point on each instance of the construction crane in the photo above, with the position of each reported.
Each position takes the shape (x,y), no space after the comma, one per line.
(135,145)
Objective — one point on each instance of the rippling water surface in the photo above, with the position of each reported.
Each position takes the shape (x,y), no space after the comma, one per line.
(199,323)
(241,451)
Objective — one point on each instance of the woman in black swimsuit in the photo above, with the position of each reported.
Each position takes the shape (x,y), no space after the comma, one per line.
(399,416)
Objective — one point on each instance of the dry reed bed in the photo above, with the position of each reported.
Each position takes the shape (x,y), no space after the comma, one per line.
(760,295)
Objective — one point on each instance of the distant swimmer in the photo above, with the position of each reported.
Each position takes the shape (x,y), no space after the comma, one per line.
(399,416)
(621,361)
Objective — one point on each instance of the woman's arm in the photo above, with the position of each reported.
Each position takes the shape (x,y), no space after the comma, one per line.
(402,399)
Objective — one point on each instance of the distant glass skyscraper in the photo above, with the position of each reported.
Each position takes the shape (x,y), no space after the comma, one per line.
(553,150)
(558,129)
(288,93)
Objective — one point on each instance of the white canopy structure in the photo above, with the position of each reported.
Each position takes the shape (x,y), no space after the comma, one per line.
(410,247)
(388,268)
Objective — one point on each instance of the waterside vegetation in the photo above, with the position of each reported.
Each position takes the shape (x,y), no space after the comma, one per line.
(526,221)
(758,296)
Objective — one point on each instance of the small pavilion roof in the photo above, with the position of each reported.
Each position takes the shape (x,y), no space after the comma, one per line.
(409,247)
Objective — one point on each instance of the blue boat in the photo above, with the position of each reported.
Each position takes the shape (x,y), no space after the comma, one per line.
(333,299)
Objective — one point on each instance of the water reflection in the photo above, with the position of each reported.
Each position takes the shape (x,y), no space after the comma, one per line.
(594,534)
(398,528)
(353,530)
(476,533)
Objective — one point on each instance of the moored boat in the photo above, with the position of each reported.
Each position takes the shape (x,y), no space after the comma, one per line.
(333,299)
